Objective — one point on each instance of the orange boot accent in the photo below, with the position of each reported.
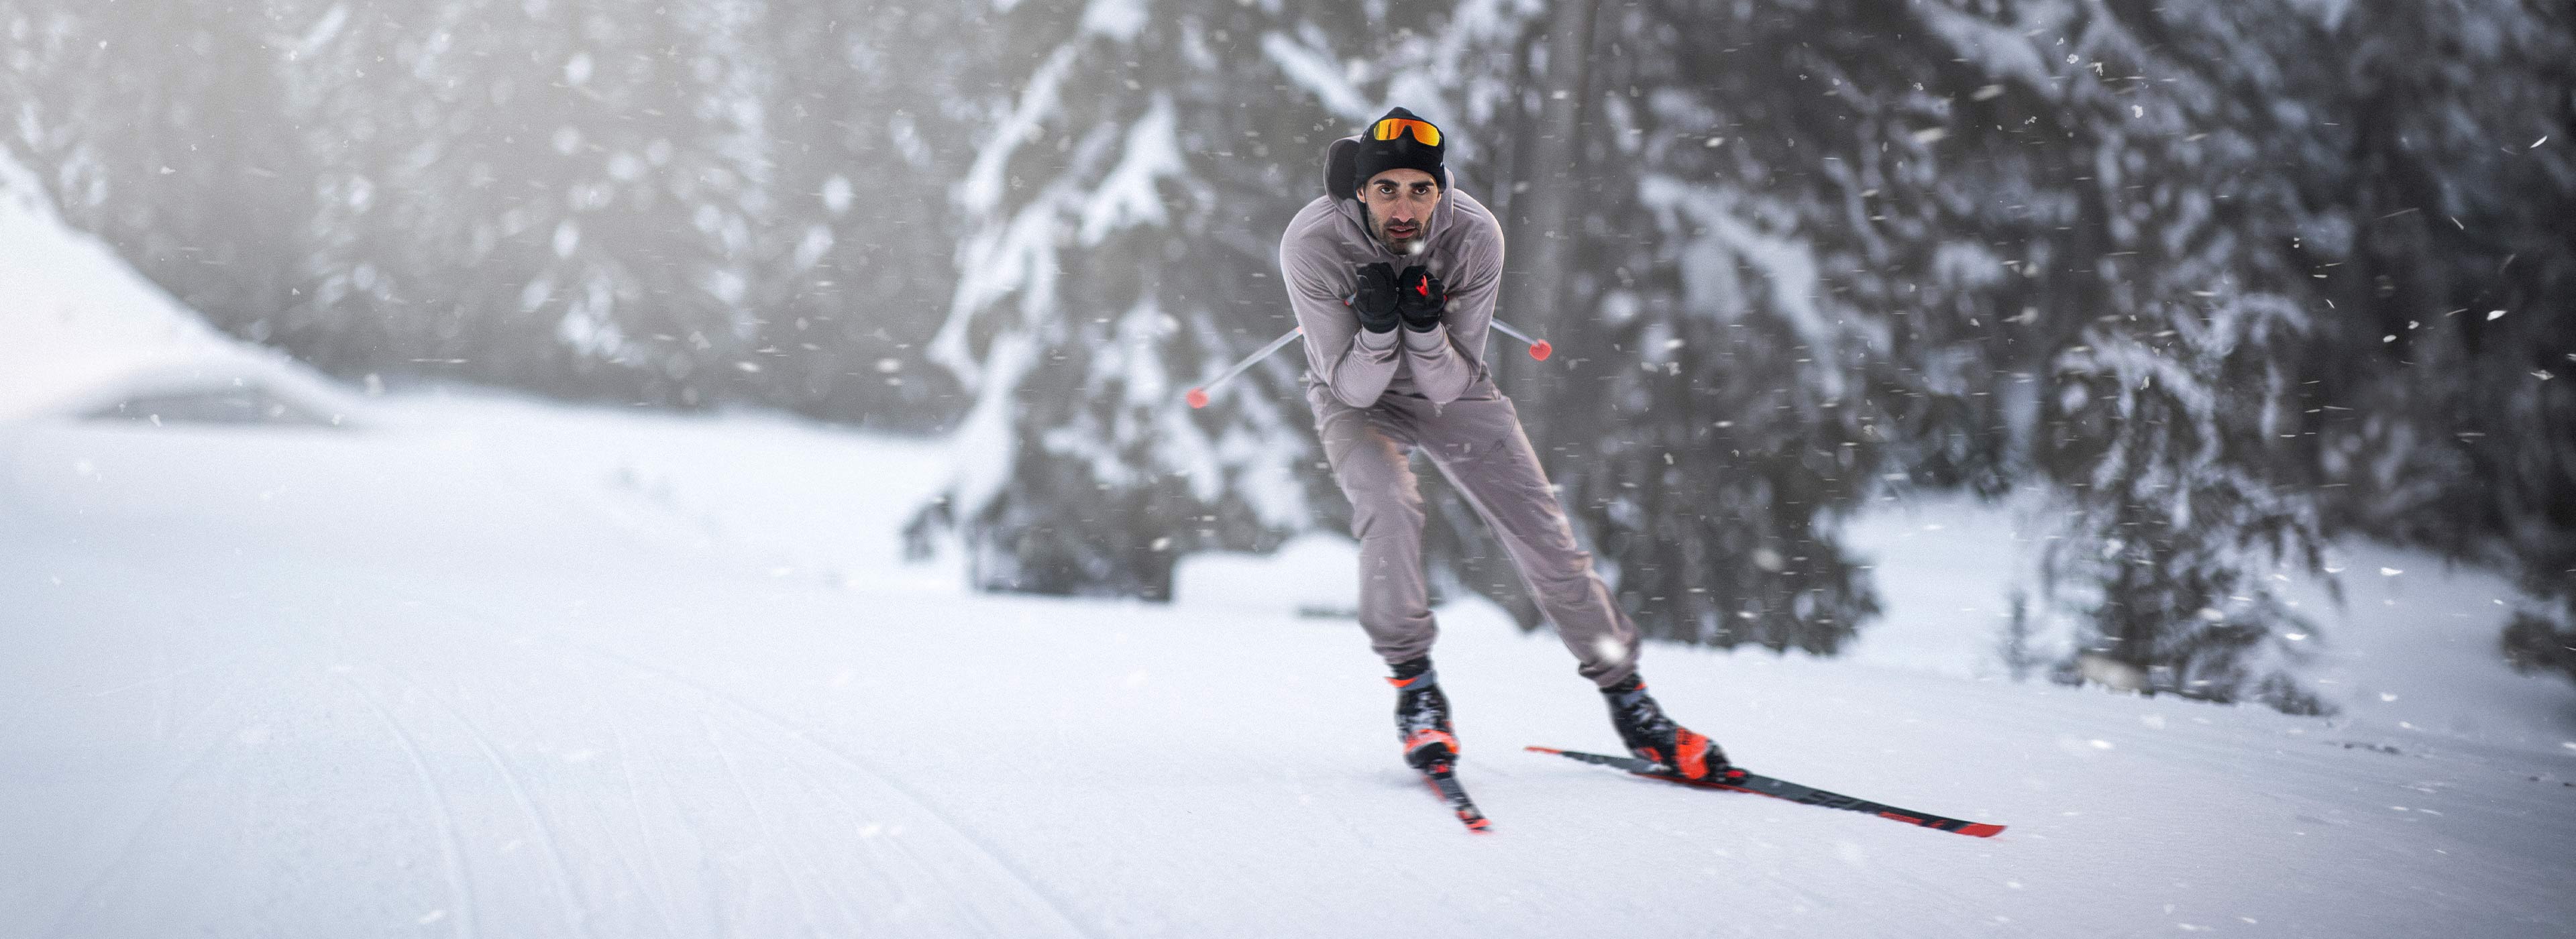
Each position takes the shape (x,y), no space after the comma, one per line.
(1426,738)
(1692,752)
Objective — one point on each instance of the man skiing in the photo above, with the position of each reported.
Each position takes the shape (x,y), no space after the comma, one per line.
(1393,274)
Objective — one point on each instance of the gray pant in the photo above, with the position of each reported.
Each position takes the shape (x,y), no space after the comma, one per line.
(1477,442)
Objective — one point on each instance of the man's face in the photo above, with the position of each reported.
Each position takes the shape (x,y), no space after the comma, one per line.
(1399,202)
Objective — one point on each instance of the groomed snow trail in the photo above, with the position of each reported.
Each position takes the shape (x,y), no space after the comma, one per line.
(505,670)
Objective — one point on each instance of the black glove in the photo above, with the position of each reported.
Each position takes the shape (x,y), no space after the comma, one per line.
(1419,299)
(1377,299)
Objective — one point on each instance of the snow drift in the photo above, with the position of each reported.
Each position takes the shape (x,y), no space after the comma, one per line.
(82,334)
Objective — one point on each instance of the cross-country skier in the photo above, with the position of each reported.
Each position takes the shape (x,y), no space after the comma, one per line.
(1393,274)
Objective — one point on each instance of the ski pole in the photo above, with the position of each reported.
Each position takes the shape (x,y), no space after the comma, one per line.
(1538,348)
(1198,397)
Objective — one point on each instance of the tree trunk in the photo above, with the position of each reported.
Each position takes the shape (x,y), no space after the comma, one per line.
(1542,217)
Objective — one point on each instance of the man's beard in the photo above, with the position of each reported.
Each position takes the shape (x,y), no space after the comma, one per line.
(1410,244)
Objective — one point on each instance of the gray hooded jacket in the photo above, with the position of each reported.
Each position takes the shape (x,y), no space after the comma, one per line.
(1319,260)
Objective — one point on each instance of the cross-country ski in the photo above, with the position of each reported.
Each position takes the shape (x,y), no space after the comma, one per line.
(1736,779)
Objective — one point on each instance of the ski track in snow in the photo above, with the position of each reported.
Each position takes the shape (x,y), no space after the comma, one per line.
(574,910)
(547,678)
(769,834)
(657,896)
(460,883)
(802,877)
(777,725)
(126,847)
(929,809)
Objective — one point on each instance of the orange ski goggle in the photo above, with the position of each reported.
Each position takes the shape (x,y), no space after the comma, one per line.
(1391,127)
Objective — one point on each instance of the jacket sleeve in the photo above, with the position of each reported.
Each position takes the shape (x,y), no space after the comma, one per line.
(1440,372)
(1355,363)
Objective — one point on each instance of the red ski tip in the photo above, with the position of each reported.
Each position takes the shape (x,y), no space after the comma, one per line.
(1544,750)
(1539,350)
(1982,830)
(1197,397)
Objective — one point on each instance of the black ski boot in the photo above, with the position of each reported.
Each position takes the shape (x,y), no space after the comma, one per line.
(1422,717)
(1652,736)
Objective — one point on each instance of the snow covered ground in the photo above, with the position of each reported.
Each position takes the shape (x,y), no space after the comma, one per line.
(2409,656)
(490,667)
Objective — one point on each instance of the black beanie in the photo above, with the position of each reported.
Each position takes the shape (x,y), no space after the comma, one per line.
(1402,153)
